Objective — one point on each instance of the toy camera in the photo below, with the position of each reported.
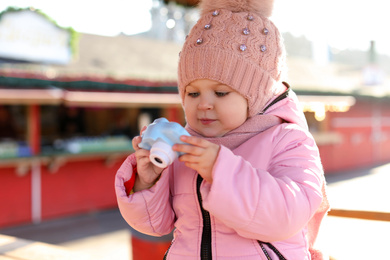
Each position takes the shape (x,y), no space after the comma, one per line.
(159,137)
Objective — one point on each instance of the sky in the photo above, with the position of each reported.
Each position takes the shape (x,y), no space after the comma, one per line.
(343,24)
(339,23)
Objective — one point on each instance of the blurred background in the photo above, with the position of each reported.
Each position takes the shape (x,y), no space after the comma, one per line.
(79,78)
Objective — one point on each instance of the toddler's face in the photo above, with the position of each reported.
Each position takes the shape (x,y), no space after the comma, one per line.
(212,108)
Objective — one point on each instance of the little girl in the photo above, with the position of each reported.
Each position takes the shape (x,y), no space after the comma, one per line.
(250,184)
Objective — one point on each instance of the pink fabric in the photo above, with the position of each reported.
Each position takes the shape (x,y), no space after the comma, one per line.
(315,223)
(218,49)
(269,188)
(261,123)
(260,7)
(250,128)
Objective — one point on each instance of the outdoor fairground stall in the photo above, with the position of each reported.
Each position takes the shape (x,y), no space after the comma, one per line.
(70,104)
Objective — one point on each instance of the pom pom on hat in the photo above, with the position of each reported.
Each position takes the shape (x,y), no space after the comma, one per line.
(235,44)
(259,7)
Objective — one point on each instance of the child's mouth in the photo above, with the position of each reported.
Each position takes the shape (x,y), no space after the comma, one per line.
(206,121)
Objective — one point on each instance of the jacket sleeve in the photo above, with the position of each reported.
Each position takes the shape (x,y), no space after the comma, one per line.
(147,211)
(271,203)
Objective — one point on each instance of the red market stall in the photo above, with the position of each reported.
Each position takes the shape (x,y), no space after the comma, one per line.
(69,106)
(47,172)
(66,125)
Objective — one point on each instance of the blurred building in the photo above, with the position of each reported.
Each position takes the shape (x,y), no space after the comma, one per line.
(70,105)
(68,111)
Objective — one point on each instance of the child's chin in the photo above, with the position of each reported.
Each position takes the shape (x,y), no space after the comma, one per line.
(212,134)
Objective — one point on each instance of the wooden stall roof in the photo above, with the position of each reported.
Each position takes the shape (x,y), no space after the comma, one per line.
(120,59)
(134,64)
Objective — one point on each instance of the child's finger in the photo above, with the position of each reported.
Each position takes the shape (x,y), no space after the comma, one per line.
(135,142)
(188,149)
(143,129)
(189,158)
(191,165)
(142,153)
(193,140)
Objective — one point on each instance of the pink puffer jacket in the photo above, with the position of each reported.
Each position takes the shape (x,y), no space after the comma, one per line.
(267,189)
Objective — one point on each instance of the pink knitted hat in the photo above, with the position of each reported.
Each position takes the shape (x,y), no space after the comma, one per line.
(236,44)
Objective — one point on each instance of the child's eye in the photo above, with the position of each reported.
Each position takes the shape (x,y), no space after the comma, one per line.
(221,94)
(193,94)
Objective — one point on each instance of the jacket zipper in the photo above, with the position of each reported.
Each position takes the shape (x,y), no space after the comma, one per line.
(276,251)
(166,253)
(205,246)
(280,97)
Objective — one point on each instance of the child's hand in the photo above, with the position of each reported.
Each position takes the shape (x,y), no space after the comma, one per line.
(148,173)
(200,155)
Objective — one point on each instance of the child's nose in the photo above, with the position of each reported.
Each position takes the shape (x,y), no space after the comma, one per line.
(205,104)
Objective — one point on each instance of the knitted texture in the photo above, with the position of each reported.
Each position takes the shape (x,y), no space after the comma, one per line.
(259,7)
(243,50)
